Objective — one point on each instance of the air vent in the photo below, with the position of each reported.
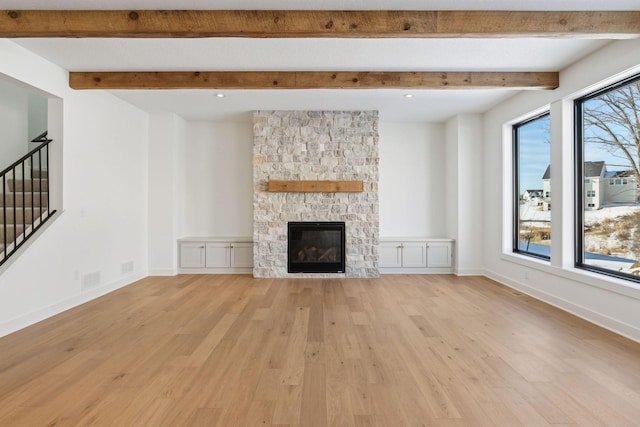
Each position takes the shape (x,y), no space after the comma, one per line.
(90,280)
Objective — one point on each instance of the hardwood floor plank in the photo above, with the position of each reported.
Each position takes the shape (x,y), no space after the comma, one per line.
(314,398)
(405,350)
(576,410)
(339,411)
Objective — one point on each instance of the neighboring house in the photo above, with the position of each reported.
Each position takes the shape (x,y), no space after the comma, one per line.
(601,187)
(531,194)
(621,187)
(594,179)
(546,189)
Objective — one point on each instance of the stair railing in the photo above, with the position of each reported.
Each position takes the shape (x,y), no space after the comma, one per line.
(19,199)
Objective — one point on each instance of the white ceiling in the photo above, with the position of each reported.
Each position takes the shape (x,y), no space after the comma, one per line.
(216,54)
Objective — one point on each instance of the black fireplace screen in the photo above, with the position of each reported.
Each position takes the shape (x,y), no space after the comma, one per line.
(316,247)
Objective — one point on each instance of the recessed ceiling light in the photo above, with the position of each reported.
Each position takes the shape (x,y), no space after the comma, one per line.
(408,95)
(220,95)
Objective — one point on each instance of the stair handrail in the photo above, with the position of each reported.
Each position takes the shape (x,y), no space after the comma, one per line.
(10,246)
(25,157)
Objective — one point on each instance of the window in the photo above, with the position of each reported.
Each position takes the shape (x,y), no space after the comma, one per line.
(532,170)
(608,232)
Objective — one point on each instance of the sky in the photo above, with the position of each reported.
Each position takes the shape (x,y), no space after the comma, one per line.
(595,151)
(534,152)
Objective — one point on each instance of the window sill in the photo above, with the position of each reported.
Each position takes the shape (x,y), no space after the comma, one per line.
(611,284)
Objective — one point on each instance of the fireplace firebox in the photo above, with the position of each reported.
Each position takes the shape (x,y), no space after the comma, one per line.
(316,247)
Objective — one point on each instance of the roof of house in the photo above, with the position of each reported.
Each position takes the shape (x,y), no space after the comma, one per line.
(591,170)
(620,174)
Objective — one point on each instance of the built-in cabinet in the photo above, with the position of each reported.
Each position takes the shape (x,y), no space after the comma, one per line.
(215,255)
(235,255)
(411,255)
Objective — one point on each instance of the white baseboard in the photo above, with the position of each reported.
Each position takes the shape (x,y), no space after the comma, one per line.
(432,270)
(243,270)
(29,319)
(166,272)
(470,272)
(620,328)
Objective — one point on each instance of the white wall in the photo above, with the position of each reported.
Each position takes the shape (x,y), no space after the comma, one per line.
(14,109)
(612,303)
(104,221)
(464,197)
(37,115)
(412,180)
(451,179)
(218,180)
(470,193)
(167,137)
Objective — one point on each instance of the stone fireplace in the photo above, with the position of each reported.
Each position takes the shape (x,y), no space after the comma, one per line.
(315,145)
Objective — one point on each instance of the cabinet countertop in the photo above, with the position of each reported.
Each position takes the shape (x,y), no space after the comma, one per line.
(415,239)
(234,239)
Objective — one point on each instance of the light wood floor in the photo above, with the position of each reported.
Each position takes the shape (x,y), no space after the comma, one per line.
(397,351)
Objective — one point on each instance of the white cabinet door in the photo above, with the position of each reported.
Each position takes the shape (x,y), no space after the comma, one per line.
(390,254)
(414,254)
(192,255)
(218,255)
(242,255)
(439,254)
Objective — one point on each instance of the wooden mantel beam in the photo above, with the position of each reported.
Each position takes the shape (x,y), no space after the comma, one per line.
(276,186)
(318,23)
(312,80)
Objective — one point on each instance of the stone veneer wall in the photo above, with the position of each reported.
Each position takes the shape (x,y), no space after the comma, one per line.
(315,145)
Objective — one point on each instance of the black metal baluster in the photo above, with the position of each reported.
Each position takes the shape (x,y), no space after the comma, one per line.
(40,180)
(4,217)
(47,164)
(12,173)
(32,199)
(15,208)
(24,211)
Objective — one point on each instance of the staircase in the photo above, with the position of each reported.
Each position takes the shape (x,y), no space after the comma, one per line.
(24,200)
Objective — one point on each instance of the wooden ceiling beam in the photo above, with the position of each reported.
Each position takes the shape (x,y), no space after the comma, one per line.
(318,23)
(312,80)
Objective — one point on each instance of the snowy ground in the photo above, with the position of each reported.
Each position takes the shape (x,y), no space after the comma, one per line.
(591,217)
(615,259)
(530,211)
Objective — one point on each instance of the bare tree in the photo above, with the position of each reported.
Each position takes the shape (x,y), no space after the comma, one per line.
(612,121)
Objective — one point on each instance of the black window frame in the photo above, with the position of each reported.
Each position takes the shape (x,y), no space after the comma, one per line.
(515,247)
(579,185)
